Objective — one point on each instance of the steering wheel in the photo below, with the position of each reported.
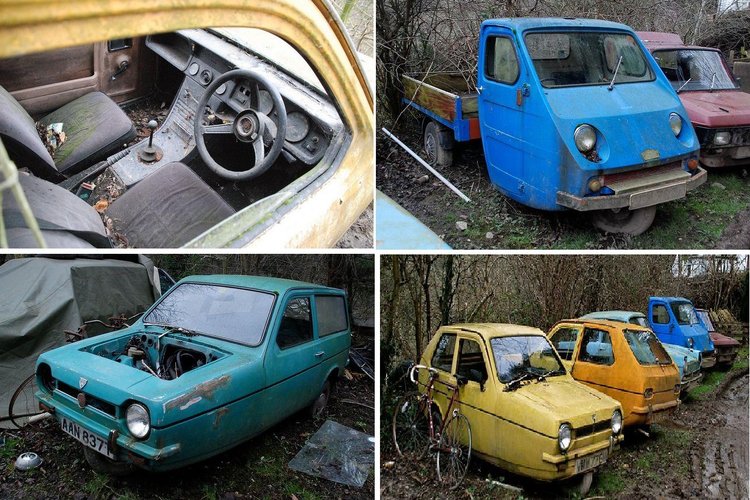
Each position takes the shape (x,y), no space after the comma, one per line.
(250,126)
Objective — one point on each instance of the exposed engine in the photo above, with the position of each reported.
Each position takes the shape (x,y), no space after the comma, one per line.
(167,359)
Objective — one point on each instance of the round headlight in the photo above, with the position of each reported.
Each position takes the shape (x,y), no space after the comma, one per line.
(675,123)
(585,138)
(564,437)
(722,138)
(690,342)
(616,422)
(138,420)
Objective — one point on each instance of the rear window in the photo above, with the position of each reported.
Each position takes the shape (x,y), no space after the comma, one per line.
(646,347)
(332,314)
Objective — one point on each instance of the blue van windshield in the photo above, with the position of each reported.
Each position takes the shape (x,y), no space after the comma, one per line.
(576,58)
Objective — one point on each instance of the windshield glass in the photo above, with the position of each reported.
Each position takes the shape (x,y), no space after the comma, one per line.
(706,319)
(587,58)
(639,320)
(275,50)
(234,314)
(684,312)
(524,354)
(694,69)
(646,347)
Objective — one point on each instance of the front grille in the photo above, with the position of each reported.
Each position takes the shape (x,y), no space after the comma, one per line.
(588,430)
(692,367)
(91,401)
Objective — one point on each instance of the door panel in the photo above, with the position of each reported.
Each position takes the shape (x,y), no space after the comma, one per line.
(477,401)
(46,81)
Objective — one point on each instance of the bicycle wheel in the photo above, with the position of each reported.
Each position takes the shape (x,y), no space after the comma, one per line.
(23,403)
(411,427)
(454,451)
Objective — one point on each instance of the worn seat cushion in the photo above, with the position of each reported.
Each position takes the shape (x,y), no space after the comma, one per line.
(167,209)
(95,127)
(56,205)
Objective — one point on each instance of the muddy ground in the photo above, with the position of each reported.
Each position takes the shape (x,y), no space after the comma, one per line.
(714,216)
(701,453)
(255,469)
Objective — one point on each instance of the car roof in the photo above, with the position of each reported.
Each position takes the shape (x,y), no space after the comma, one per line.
(605,322)
(488,330)
(618,315)
(530,23)
(657,40)
(671,299)
(277,285)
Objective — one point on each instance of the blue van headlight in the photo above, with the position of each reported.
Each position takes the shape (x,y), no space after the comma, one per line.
(690,342)
(585,138)
(675,123)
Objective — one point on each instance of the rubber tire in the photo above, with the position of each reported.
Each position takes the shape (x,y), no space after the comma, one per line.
(319,405)
(449,438)
(585,485)
(409,415)
(632,222)
(105,465)
(437,155)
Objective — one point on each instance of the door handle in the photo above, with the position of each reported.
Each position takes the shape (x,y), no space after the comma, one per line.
(319,354)
(124,65)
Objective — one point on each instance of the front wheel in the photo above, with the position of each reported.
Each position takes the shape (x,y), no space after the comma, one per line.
(105,465)
(410,426)
(454,451)
(319,405)
(632,222)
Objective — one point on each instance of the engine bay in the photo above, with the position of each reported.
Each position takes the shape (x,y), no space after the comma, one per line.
(159,355)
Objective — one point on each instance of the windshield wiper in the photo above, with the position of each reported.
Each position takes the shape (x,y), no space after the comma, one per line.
(683,85)
(516,382)
(713,80)
(614,76)
(544,376)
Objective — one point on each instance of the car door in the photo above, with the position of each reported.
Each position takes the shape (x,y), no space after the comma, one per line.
(123,69)
(332,333)
(595,360)
(503,89)
(662,323)
(564,338)
(291,364)
(477,398)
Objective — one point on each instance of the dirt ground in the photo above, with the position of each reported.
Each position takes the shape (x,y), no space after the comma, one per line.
(701,453)
(714,216)
(255,469)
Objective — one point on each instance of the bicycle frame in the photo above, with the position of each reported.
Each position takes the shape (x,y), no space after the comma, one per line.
(428,399)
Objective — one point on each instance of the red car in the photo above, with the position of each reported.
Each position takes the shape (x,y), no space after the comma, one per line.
(717,107)
(726,347)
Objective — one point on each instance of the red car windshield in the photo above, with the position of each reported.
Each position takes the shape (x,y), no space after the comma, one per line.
(695,69)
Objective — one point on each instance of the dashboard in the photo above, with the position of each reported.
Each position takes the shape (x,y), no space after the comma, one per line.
(312,120)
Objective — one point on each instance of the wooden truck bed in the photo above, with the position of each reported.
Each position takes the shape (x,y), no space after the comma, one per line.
(447,99)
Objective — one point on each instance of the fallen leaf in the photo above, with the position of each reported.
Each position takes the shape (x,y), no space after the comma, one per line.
(101,206)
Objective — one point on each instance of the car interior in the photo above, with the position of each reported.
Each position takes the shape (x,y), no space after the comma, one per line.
(151,142)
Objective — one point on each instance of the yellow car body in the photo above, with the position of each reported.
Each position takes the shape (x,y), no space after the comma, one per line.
(315,213)
(648,390)
(513,427)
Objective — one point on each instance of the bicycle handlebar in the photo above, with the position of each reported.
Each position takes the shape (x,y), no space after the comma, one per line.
(416,368)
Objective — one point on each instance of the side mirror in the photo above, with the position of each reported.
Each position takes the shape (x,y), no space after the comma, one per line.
(461,380)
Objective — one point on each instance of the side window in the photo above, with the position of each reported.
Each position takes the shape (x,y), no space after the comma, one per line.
(659,314)
(500,63)
(296,324)
(443,357)
(564,340)
(596,347)
(470,361)
(331,313)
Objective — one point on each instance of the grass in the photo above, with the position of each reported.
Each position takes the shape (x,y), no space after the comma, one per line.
(608,482)
(709,383)
(743,361)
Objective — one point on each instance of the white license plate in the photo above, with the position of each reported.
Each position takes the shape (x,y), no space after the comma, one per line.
(590,461)
(741,152)
(86,437)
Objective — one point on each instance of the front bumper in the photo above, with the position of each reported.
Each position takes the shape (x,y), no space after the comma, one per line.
(639,192)
(566,462)
(708,360)
(123,446)
(690,381)
(726,356)
(726,156)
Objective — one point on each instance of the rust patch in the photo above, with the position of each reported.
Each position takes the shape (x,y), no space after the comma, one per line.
(205,390)
(219,416)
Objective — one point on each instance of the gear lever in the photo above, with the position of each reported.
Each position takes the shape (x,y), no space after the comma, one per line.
(150,153)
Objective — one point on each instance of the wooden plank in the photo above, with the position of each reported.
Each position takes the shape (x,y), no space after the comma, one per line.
(438,101)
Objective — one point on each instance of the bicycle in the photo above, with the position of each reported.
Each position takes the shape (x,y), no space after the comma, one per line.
(415,431)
